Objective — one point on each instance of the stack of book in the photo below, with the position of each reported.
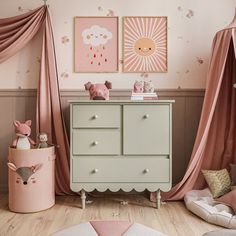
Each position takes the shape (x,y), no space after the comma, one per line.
(144,96)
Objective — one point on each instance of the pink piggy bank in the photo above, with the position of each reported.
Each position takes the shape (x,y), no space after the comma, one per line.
(98,91)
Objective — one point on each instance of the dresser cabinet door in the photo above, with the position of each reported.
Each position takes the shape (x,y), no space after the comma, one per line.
(146,130)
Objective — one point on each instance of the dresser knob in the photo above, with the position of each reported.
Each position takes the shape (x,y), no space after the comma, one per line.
(95,143)
(146,171)
(95,117)
(146,116)
(95,171)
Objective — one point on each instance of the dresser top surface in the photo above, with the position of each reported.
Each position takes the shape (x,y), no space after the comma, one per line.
(121,101)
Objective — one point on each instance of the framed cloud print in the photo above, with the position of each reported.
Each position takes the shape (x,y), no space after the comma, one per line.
(145,44)
(96,44)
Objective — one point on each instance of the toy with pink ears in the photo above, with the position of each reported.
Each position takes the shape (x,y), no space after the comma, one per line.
(98,91)
(143,87)
(23,131)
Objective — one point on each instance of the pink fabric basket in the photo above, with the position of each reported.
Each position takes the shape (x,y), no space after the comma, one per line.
(31,179)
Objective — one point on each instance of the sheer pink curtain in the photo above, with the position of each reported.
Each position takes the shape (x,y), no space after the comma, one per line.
(15,33)
(215,144)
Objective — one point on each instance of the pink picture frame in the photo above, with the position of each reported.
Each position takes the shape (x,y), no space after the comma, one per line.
(95,44)
(144,44)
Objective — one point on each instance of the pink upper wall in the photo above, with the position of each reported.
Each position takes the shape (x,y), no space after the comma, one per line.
(191,27)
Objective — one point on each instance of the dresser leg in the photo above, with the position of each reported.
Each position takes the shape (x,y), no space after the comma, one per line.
(158,198)
(83,197)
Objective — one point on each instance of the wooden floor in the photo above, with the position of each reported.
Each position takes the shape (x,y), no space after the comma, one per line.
(172,218)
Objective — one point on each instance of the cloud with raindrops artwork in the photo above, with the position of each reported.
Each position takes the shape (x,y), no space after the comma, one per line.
(96,44)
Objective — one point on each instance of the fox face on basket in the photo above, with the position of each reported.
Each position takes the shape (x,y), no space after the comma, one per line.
(25,174)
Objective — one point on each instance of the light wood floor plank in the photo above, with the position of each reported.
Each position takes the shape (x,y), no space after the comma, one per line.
(172,218)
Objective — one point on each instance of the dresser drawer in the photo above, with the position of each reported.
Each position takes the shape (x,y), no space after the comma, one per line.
(96,142)
(146,130)
(130,170)
(96,116)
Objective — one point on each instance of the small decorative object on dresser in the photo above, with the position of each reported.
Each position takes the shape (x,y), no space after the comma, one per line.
(148,87)
(144,96)
(23,131)
(143,90)
(42,139)
(121,145)
(138,86)
(98,91)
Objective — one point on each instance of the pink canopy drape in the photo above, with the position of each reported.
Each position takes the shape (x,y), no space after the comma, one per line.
(215,144)
(15,33)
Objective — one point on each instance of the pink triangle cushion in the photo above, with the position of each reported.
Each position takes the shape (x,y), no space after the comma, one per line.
(108,228)
(115,228)
(229,199)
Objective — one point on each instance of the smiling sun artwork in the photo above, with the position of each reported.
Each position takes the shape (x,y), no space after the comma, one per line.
(145,44)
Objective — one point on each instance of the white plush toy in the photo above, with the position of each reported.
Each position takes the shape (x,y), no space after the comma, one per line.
(148,87)
(43,138)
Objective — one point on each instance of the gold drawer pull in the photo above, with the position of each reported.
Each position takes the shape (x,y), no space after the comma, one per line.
(145,171)
(95,143)
(95,171)
(95,117)
(146,116)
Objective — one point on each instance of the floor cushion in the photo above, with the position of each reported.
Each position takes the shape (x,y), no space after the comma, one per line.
(201,203)
(108,228)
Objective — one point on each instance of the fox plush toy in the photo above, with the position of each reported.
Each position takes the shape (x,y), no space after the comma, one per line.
(23,131)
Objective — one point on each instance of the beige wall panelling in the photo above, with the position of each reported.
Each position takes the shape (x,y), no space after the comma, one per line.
(30,112)
(66,112)
(178,127)
(186,116)
(25,109)
(5,137)
(21,104)
(193,109)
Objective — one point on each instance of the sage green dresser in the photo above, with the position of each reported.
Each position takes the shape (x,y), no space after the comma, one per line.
(121,145)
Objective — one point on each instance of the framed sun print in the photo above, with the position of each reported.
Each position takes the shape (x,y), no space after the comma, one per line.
(145,44)
(95,44)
